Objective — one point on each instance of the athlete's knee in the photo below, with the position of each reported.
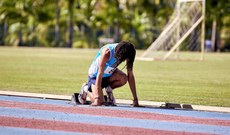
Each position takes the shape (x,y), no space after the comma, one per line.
(123,79)
(119,78)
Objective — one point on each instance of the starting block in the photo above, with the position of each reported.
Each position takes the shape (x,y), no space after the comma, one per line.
(176,106)
(74,100)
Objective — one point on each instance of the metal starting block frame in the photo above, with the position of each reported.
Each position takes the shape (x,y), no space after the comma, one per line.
(74,99)
(176,106)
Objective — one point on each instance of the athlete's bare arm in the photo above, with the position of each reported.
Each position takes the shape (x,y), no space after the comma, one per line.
(97,90)
(132,85)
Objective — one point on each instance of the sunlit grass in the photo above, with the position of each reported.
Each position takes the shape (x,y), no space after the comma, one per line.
(62,71)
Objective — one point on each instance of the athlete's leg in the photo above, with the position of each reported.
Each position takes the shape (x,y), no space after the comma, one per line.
(118,79)
(90,95)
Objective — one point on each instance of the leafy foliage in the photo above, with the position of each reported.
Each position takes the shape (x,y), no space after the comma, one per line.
(81,23)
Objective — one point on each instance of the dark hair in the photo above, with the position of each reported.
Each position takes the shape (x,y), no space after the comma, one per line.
(125,50)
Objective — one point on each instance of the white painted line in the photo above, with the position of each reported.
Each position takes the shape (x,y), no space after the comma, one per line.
(211,108)
(36,95)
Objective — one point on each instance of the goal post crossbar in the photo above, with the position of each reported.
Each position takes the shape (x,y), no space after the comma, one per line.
(189,0)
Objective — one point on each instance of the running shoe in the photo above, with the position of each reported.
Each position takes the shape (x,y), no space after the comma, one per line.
(111,98)
(83,93)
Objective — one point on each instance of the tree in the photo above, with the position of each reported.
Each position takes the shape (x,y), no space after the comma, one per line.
(216,11)
(61,23)
(23,17)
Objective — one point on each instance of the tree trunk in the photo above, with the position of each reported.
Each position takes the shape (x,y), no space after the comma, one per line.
(213,38)
(71,3)
(57,39)
(20,34)
(5,32)
(70,33)
(117,32)
(20,43)
(117,24)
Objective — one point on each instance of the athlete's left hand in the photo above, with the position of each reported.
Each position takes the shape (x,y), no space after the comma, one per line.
(135,103)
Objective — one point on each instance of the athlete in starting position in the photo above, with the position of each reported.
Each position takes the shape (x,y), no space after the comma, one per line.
(103,73)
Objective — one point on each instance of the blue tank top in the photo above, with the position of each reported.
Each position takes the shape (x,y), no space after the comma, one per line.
(110,66)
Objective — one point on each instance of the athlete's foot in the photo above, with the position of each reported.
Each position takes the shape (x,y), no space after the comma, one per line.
(111,98)
(83,94)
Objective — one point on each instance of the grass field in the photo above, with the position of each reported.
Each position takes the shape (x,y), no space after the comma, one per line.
(62,71)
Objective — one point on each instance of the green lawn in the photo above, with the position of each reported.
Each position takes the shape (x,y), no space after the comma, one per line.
(62,71)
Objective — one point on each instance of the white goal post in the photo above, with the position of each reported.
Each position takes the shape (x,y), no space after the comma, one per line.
(186,30)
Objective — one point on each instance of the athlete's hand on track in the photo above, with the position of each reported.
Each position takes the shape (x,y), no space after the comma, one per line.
(135,103)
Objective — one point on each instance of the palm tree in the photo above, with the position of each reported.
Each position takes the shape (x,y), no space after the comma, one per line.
(14,18)
(21,16)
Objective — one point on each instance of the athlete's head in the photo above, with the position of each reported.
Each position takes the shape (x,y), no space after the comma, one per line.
(125,51)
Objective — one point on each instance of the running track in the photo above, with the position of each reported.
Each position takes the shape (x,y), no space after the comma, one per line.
(21,115)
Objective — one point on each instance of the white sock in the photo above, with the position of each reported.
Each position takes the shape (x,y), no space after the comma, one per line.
(108,89)
(85,88)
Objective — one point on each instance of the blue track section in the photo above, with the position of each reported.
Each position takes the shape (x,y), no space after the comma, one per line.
(26,131)
(189,113)
(35,100)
